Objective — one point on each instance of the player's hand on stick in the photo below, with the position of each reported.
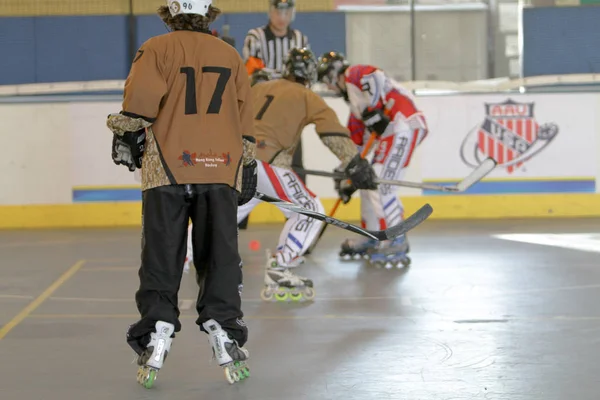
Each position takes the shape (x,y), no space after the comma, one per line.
(375,120)
(361,173)
(344,188)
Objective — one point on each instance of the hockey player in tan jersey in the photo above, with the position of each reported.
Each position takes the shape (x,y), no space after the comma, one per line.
(283,108)
(187,117)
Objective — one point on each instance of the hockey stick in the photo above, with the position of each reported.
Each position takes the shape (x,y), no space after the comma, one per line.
(475,176)
(388,234)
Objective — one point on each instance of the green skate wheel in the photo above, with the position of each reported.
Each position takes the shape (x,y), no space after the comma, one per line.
(246,372)
(146,377)
(295,295)
(150,380)
(282,296)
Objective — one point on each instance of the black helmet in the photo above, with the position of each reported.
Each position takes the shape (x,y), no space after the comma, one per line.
(330,66)
(302,65)
(260,75)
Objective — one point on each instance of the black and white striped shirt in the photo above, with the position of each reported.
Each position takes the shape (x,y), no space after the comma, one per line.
(272,50)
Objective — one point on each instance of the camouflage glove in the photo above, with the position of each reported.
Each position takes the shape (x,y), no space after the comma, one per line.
(249,172)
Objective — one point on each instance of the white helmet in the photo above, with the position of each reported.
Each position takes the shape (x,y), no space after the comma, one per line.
(189,7)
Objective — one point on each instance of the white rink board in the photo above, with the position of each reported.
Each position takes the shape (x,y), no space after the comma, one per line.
(571,153)
(50,148)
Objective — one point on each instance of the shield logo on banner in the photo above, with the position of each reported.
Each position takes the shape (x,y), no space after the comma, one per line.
(509,134)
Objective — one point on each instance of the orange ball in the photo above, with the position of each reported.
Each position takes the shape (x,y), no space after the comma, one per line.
(254,245)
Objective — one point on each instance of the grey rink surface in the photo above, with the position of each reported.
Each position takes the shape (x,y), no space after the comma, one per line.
(474,317)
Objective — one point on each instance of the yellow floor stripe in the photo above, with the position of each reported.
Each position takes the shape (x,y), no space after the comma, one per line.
(40,299)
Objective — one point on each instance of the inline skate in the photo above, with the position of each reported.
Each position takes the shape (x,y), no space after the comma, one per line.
(282,284)
(356,249)
(152,358)
(393,254)
(232,357)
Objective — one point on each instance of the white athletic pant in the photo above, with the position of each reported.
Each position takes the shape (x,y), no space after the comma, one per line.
(382,208)
(299,232)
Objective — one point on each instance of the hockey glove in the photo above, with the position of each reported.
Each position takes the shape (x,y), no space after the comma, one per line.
(249,183)
(344,189)
(361,173)
(375,120)
(128,149)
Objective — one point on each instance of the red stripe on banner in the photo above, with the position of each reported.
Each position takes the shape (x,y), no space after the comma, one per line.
(491,147)
(382,224)
(529,130)
(481,141)
(363,224)
(275,182)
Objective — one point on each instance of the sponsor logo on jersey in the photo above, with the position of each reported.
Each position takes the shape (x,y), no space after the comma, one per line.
(187,159)
(509,134)
(209,160)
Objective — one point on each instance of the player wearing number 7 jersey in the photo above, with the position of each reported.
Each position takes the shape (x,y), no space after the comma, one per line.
(187,117)
(282,109)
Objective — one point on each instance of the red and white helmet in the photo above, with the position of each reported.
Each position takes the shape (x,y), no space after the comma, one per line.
(199,7)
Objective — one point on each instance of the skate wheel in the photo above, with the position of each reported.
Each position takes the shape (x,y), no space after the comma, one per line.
(228,375)
(146,377)
(309,293)
(281,295)
(295,295)
(406,262)
(266,294)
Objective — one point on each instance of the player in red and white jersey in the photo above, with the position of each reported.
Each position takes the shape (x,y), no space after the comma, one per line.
(379,105)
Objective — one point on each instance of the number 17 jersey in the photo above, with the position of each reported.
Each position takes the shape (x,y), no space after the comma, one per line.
(194,90)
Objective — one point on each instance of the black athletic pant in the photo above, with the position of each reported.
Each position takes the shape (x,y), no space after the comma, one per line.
(166,213)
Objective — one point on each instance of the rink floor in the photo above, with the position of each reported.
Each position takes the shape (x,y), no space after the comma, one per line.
(474,317)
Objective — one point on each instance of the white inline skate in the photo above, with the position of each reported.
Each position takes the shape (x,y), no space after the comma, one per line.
(392,254)
(153,357)
(229,355)
(357,249)
(282,284)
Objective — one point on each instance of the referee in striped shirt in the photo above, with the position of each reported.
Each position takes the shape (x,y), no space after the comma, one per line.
(266,48)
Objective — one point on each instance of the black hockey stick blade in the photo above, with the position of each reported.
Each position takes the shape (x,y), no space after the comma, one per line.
(411,222)
(414,220)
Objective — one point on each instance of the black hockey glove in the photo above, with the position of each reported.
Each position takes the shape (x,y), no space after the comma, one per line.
(129,148)
(361,173)
(344,189)
(376,120)
(249,183)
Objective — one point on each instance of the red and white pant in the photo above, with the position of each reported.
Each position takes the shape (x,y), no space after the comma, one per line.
(300,231)
(382,208)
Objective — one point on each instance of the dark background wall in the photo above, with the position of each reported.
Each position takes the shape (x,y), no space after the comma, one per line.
(81,48)
(561,40)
